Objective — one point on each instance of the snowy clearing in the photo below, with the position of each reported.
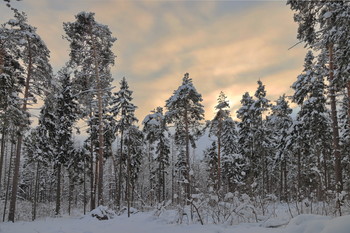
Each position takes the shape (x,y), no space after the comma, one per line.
(148,223)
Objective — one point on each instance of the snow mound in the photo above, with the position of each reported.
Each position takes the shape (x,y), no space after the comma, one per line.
(102,213)
(338,225)
(308,223)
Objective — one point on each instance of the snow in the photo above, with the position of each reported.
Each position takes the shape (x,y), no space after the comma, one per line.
(148,222)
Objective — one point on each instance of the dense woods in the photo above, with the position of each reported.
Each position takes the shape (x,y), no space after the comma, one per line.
(294,150)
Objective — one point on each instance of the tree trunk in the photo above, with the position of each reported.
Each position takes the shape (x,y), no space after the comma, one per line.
(120,171)
(336,148)
(128,180)
(348,89)
(2,155)
(285,180)
(92,191)
(15,179)
(58,190)
(100,122)
(219,158)
(187,175)
(36,187)
(8,181)
(299,177)
(96,179)
(70,193)
(84,186)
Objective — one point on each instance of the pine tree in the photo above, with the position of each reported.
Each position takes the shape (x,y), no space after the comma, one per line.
(186,111)
(91,53)
(323,27)
(34,57)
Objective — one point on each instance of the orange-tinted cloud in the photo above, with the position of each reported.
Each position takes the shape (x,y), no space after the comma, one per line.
(223,45)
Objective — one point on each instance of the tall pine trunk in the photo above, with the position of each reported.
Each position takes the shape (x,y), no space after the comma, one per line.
(100,122)
(92,191)
(15,179)
(336,147)
(8,181)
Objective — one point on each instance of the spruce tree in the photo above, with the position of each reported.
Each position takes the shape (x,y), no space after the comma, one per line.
(216,128)
(156,131)
(124,110)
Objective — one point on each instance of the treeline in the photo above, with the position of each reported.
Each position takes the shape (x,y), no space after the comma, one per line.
(267,153)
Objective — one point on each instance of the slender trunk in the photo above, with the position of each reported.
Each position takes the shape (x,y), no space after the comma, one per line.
(128,178)
(8,181)
(219,158)
(187,175)
(84,197)
(163,173)
(172,171)
(58,190)
(15,179)
(285,194)
(116,179)
(337,165)
(299,177)
(2,59)
(70,193)
(159,181)
(96,179)
(281,181)
(2,155)
(120,171)
(92,191)
(128,182)
(150,173)
(36,189)
(348,89)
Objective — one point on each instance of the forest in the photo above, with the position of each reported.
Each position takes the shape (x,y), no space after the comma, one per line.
(293,151)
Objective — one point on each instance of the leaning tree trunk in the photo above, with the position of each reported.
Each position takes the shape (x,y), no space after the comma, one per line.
(11,216)
(8,182)
(336,147)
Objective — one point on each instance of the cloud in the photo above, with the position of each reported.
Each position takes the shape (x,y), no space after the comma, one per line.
(223,45)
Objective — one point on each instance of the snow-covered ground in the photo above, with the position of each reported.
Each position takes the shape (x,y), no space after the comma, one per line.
(148,223)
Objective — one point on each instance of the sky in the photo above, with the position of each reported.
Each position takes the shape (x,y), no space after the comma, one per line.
(224,45)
